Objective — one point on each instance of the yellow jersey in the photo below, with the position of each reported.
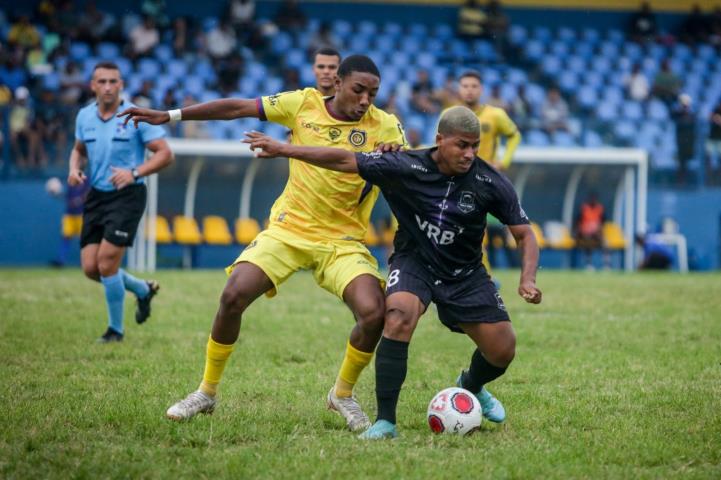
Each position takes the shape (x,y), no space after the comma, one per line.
(317,203)
(495,122)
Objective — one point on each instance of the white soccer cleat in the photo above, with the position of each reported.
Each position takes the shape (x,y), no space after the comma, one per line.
(195,403)
(350,409)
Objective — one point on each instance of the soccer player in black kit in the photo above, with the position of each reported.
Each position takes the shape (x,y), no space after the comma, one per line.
(440,197)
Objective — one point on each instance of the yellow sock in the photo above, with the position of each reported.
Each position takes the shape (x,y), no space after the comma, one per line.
(353,364)
(216,356)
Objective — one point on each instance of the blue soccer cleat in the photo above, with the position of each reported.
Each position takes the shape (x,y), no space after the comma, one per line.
(380,430)
(492,409)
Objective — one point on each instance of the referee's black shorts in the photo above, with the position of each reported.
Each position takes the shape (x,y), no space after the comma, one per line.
(113,216)
(472,299)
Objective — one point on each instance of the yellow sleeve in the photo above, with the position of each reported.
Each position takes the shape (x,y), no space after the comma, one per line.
(392,131)
(508,129)
(281,108)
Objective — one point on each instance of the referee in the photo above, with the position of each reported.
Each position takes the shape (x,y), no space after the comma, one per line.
(113,157)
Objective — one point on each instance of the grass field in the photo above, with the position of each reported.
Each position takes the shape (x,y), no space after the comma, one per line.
(616,376)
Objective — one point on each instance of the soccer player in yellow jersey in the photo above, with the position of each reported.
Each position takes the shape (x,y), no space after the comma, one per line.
(325,68)
(317,223)
(495,122)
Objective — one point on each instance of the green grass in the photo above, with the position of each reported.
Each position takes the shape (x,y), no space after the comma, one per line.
(616,376)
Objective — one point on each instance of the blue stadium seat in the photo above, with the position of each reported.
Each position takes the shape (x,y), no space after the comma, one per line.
(295,58)
(79,51)
(272,85)
(88,65)
(534,50)
(609,49)
(516,76)
(204,69)
(575,64)
(559,48)
(551,64)
(584,50)
(419,30)
(125,65)
(535,94)
(517,34)
(385,43)
(279,132)
(281,42)
(108,51)
(163,52)
(632,110)
(208,95)
(366,27)
(51,81)
(542,34)
(625,131)
(592,139)
(442,31)
(593,79)
(567,35)
(591,35)
(193,85)
(633,51)
(656,52)
(426,60)
(587,96)
(607,112)
(568,82)
(176,68)
(537,138)
(564,139)
(342,28)
(392,28)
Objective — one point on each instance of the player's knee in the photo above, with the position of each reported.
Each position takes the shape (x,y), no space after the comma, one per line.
(399,324)
(91,271)
(369,313)
(503,353)
(233,300)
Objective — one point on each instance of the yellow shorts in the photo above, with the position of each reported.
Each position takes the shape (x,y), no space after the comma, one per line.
(72,225)
(335,263)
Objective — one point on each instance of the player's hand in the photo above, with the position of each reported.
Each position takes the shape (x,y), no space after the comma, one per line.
(388,147)
(530,292)
(269,148)
(121,177)
(136,114)
(76,177)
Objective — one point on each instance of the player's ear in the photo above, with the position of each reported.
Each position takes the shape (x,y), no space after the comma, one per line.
(439,138)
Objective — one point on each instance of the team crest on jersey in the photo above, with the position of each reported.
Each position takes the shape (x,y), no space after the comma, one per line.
(466,204)
(120,128)
(357,138)
(334,133)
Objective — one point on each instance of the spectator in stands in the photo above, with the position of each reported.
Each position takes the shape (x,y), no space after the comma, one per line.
(144,97)
(72,84)
(290,16)
(241,14)
(713,145)
(471,20)
(685,120)
(715,27)
(414,138)
(12,72)
(667,85)
(554,112)
(155,9)
(323,38)
(180,37)
(291,79)
(497,26)
(636,84)
(495,98)
(21,131)
(50,122)
(229,73)
(422,99)
(23,34)
(221,41)
(447,95)
(695,27)
(589,229)
(94,25)
(642,26)
(520,110)
(391,106)
(143,38)
(326,61)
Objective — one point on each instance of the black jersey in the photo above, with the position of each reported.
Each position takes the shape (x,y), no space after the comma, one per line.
(441,219)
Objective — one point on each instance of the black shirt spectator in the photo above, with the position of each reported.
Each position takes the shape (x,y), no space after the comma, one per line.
(685,121)
(290,16)
(642,26)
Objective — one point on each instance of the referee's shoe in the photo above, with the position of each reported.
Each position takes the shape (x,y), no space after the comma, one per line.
(142,312)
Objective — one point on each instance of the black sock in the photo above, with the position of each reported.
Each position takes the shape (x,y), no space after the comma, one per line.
(391,368)
(480,373)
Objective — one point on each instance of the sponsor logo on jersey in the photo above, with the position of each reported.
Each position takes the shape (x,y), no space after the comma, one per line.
(415,166)
(435,233)
(334,133)
(311,126)
(484,178)
(357,137)
(466,203)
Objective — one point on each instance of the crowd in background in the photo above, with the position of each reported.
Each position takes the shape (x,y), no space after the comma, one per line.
(37,119)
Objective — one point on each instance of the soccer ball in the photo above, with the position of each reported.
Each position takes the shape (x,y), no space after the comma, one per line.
(454,410)
(54,186)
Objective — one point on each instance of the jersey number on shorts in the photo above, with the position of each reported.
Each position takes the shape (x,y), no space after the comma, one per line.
(393,278)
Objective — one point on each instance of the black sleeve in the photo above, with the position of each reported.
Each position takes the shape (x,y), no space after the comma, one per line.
(380,168)
(506,207)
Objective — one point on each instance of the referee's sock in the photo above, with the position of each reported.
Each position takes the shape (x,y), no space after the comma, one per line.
(114,297)
(391,368)
(480,372)
(133,284)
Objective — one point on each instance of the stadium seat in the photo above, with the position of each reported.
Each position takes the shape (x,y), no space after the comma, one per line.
(186,230)
(613,238)
(558,235)
(176,69)
(163,235)
(564,139)
(163,52)
(246,229)
(79,51)
(107,51)
(537,138)
(216,231)
(592,139)
(149,68)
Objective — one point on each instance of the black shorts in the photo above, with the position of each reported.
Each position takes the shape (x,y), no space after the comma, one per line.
(472,299)
(113,216)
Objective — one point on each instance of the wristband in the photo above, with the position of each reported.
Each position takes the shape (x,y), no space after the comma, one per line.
(175,115)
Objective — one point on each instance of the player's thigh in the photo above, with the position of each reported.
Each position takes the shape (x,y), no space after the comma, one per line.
(365,298)
(473,299)
(89,260)
(278,254)
(245,284)
(403,311)
(337,264)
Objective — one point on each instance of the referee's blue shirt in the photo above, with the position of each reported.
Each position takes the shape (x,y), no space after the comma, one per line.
(111,144)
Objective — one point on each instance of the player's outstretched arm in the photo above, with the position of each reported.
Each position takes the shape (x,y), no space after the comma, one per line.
(527,244)
(224,109)
(326,157)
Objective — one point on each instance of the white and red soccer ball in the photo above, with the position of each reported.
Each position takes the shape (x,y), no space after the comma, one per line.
(454,410)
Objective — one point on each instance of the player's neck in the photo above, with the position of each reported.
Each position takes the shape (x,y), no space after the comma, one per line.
(441,163)
(326,92)
(108,110)
(331,105)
